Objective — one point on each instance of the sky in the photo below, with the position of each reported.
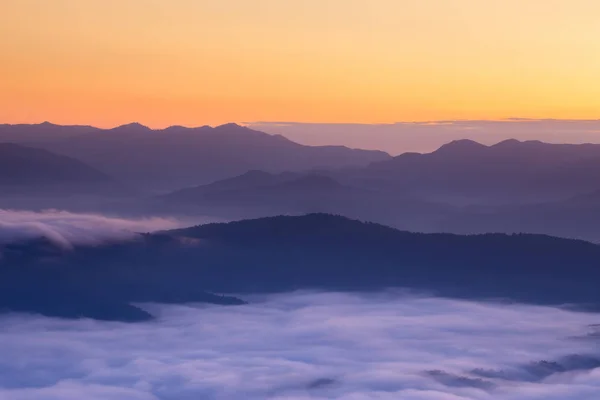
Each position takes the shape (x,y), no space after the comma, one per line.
(195,62)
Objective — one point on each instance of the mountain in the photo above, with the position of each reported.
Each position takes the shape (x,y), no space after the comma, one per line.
(25,166)
(32,178)
(327,251)
(316,251)
(30,171)
(255,186)
(464,187)
(572,218)
(37,277)
(258,193)
(510,172)
(39,133)
(248,180)
(177,157)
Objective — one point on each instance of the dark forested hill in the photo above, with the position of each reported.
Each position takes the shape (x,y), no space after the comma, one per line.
(316,251)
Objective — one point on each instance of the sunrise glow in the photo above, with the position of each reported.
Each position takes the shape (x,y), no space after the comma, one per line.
(194,62)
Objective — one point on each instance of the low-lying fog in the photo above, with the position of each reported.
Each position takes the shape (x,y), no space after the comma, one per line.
(66,228)
(308,345)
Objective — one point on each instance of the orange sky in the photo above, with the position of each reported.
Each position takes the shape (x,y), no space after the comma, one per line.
(194,62)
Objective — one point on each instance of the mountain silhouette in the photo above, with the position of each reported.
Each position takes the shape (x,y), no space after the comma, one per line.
(254,183)
(466,172)
(22,166)
(37,277)
(258,193)
(177,157)
(316,251)
(37,179)
(572,218)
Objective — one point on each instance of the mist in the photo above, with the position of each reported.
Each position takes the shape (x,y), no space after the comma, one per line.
(302,345)
(66,229)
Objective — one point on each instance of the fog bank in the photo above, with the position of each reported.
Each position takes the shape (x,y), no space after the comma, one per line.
(66,228)
(308,345)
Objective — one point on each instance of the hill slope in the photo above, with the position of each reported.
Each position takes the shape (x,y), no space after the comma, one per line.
(23,167)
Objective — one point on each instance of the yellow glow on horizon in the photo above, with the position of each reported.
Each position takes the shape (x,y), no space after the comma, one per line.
(194,62)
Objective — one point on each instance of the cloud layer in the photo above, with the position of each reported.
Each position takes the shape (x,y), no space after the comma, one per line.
(66,228)
(308,346)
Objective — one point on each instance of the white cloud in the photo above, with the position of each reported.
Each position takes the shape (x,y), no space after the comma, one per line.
(302,346)
(65,228)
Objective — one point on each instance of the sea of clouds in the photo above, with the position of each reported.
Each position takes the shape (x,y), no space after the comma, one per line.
(308,345)
(66,229)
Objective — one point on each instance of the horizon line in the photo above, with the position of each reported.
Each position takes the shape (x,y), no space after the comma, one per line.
(248,124)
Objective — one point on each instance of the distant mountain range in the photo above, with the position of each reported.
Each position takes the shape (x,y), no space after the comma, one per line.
(316,251)
(463,187)
(258,193)
(464,172)
(461,173)
(177,157)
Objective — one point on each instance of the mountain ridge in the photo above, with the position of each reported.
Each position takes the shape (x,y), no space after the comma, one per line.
(171,158)
(510,171)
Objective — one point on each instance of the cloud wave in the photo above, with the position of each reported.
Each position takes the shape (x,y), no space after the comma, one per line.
(67,229)
(308,346)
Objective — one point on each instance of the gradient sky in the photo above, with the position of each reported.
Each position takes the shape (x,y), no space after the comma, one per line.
(194,62)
